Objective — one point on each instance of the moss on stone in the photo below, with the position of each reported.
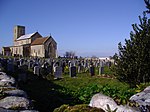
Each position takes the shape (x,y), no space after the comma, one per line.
(77,108)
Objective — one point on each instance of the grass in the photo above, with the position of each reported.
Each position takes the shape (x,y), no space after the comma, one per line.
(84,80)
(50,94)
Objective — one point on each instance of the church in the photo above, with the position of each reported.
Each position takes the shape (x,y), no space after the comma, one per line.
(30,45)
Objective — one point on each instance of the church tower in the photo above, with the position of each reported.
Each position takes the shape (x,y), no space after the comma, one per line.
(18,31)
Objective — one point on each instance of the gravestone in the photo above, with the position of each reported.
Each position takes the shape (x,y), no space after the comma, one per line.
(63,66)
(21,61)
(79,67)
(23,76)
(86,66)
(92,70)
(108,63)
(101,68)
(36,70)
(16,65)
(72,71)
(10,66)
(44,70)
(4,63)
(57,72)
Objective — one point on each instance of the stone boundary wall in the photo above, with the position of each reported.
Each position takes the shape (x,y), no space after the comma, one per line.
(13,99)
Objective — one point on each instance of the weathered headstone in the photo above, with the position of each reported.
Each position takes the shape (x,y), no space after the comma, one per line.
(21,61)
(72,71)
(101,68)
(10,66)
(63,66)
(58,72)
(79,67)
(92,70)
(23,76)
(36,70)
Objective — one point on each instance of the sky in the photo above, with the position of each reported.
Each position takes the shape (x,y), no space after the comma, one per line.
(86,27)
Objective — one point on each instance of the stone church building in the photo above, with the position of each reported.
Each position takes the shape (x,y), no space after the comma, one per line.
(31,45)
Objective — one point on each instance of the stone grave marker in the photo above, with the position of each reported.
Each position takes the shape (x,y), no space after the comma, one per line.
(57,72)
(72,71)
(101,68)
(10,65)
(79,67)
(36,70)
(92,70)
(23,76)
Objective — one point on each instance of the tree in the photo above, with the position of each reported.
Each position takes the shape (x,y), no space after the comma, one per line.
(147,2)
(69,54)
(133,60)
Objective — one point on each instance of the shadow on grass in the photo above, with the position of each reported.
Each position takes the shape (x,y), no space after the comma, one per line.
(45,95)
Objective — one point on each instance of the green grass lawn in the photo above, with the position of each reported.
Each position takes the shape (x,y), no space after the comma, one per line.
(48,94)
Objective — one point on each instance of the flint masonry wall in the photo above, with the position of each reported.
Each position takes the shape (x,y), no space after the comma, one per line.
(13,99)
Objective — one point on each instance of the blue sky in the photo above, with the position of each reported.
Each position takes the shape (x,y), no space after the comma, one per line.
(87,27)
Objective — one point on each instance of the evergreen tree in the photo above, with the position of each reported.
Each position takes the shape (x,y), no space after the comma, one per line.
(147,2)
(133,60)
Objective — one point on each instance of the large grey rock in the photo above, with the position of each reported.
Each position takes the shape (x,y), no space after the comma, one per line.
(29,111)
(7,88)
(16,92)
(142,98)
(101,101)
(12,102)
(6,110)
(6,80)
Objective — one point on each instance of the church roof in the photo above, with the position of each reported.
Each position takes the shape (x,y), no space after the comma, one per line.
(27,36)
(40,41)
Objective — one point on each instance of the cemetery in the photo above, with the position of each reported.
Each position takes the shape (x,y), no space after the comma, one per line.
(48,85)
(68,84)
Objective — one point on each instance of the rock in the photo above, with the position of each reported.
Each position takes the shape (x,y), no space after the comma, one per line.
(12,99)
(142,98)
(126,108)
(13,102)
(101,101)
(147,89)
(7,88)
(6,110)
(28,111)
(16,92)
(6,80)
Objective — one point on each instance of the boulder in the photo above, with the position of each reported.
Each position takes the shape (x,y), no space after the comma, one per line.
(3,88)
(6,110)
(6,80)
(16,92)
(12,99)
(142,98)
(102,101)
(13,102)
(28,111)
